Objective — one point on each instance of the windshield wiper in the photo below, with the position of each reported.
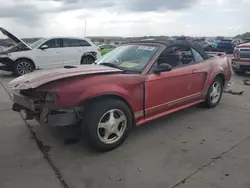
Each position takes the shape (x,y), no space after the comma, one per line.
(111,65)
(123,70)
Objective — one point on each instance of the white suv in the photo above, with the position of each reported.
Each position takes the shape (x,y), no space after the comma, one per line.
(46,53)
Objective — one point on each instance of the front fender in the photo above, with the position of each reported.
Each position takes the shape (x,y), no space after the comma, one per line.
(131,97)
(22,54)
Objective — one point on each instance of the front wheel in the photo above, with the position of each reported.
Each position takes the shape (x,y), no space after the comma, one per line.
(108,123)
(23,66)
(214,93)
(87,60)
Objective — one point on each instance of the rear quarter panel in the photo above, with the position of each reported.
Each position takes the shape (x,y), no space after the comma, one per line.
(219,66)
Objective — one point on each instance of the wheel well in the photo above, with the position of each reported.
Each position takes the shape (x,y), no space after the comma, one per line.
(89,54)
(110,96)
(222,77)
(24,58)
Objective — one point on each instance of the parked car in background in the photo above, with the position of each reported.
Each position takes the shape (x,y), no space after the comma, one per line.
(131,85)
(209,44)
(186,39)
(105,48)
(205,43)
(46,53)
(228,45)
(241,58)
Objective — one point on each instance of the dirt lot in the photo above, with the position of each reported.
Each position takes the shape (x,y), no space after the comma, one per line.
(196,147)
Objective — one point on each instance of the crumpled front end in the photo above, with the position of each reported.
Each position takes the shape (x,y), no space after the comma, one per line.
(42,107)
(6,64)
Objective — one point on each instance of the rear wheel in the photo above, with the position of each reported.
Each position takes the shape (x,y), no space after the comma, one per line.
(87,60)
(214,93)
(23,66)
(108,123)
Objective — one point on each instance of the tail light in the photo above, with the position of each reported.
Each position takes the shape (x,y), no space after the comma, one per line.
(99,49)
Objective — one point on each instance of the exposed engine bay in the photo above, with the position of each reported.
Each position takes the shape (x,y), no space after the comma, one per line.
(41,106)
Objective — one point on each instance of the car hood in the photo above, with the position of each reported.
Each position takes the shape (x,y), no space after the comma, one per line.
(244,45)
(41,77)
(13,37)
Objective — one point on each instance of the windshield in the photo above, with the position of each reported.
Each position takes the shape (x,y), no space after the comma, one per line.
(37,43)
(129,57)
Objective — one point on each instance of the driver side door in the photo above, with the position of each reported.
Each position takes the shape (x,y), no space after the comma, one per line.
(51,56)
(166,91)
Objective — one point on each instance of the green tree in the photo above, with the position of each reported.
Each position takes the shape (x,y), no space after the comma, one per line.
(243,36)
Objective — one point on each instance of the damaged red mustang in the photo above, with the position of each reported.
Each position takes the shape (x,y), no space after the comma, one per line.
(133,84)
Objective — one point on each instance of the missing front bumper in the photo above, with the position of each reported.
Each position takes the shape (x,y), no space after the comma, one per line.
(45,112)
(6,64)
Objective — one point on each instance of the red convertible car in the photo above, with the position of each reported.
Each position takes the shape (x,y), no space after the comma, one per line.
(133,84)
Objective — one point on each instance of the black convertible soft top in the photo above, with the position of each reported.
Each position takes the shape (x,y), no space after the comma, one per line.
(170,43)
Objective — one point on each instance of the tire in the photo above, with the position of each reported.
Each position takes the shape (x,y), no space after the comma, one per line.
(23,66)
(100,128)
(211,102)
(238,72)
(87,60)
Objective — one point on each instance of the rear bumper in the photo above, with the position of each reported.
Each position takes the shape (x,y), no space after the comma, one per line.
(241,65)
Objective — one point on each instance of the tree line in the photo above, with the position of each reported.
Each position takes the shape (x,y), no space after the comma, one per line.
(240,36)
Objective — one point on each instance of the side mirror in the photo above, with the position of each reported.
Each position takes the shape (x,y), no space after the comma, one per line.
(44,47)
(163,67)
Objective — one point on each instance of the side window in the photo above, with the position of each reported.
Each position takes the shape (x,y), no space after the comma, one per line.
(71,43)
(53,43)
(84,43)
(197,56)
(177,56)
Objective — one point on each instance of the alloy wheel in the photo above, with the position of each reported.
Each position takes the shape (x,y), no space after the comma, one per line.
(112,126)
(215,92)
(24,67)
(87,61)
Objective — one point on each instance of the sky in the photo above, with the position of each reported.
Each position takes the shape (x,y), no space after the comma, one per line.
(35,18)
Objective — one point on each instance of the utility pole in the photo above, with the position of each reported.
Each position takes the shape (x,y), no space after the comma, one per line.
(85,28)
